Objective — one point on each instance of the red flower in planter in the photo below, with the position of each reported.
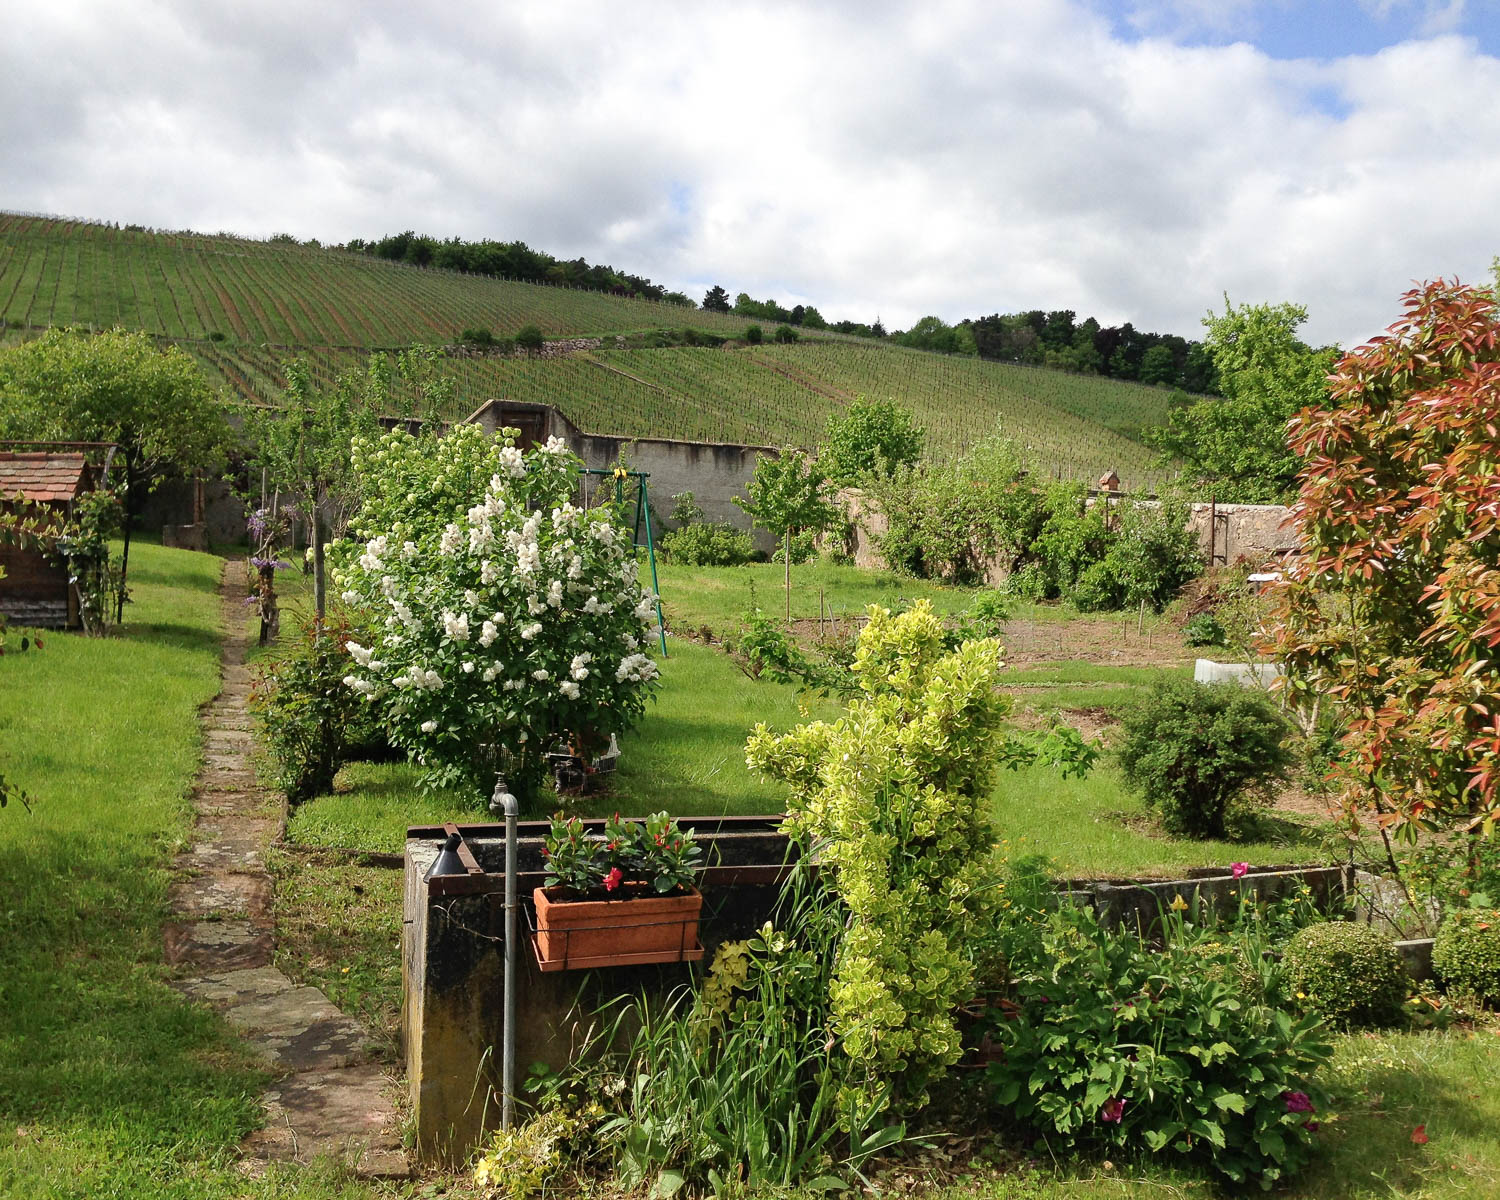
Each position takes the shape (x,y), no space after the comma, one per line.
(1237,870)
(612,880)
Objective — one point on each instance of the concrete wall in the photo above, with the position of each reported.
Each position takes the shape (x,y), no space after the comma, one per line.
(1254,532)
(715,472)
(171,504)
(452,963)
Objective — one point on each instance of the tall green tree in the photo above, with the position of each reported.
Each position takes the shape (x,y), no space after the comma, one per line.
(788,494)
(304,445)
(716,299)
(1236,444)
(117,386)
(870,436)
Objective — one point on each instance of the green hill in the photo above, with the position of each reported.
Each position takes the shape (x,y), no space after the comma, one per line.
(242,307)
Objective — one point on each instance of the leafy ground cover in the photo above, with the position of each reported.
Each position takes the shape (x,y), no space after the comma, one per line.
(111,1084)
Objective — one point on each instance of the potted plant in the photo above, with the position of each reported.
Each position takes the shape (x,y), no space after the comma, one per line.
(619,897)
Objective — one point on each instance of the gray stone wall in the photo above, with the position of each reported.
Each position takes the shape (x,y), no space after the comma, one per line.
(1256,533)
(715,472)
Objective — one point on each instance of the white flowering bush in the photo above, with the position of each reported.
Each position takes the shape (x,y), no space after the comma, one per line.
(503,619)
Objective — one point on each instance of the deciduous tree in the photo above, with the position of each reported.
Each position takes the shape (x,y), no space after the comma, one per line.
(71,385)
(1237,443)
(1393,610)
(788,494)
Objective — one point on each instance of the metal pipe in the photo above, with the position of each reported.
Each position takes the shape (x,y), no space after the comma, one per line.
(507,803)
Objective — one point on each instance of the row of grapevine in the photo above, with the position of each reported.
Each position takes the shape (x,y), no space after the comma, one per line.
(55,272)
(767,396)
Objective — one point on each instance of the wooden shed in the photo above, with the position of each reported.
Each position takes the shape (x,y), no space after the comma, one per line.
(35,591)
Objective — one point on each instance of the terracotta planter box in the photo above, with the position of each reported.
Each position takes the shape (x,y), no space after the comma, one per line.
(640,928)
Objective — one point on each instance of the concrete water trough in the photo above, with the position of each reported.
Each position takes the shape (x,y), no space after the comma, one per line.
(452,939)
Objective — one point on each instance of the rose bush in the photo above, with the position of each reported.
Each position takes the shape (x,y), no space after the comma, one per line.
(504,618)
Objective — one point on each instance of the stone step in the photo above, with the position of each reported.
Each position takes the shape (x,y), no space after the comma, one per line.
(300,1030)
(217,945)
(345,1112)
(221,894)
(234,987)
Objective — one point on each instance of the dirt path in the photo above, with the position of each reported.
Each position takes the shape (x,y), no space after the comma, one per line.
(331,1097)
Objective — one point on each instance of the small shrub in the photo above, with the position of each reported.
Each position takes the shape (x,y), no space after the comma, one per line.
(1028,583)
(1203,630)
(1098,589)
(1466,954)
(785,334)
(1351,974)
(309,719)
(713,544)
(686,509)
(985,616)
(1200,755)
(518,1163)
(529,338)
(754,335)
(477,336)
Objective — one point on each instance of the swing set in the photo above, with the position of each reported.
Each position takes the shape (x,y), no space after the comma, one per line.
(624,482)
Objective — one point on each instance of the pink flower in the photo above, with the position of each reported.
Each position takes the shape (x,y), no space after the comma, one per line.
(1298,1102)
(1113,1111)
(612,880)
(1238,869)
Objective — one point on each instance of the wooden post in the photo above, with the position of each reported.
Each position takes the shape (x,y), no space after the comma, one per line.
(787,553)
(1213,527)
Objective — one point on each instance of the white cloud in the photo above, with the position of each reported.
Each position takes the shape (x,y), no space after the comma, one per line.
(958,158)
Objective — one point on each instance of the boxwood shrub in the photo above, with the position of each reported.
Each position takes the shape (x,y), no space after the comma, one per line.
(1351,974)
(1466,954)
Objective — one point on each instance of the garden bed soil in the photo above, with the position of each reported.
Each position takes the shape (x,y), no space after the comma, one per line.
(1110,641)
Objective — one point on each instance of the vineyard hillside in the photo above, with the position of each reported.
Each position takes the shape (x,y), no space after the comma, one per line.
(243,307)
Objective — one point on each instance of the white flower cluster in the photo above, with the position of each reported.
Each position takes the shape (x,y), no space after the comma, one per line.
(524,616)
(636,668)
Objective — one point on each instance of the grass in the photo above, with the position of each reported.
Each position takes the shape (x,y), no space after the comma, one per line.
(110,1083)
(719,597)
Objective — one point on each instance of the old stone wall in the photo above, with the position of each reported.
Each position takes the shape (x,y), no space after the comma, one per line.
(1254,533)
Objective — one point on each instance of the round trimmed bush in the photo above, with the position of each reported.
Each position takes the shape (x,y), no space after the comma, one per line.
(1466,953)
(1351,974)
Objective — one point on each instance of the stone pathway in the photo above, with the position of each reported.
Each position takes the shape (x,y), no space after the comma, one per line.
(332,1097)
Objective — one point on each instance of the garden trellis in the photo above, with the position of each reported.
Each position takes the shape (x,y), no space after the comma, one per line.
(624,481)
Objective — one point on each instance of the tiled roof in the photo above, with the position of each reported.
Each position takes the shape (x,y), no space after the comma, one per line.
(41,477)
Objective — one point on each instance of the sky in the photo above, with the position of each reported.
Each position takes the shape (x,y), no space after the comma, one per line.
(1130,161)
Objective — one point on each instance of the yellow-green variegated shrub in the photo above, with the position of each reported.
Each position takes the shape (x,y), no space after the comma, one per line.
(893,797)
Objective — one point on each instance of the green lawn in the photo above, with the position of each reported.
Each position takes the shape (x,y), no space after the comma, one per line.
(718,597)
(110,1084)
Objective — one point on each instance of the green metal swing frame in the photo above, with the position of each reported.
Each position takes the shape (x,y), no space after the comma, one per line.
(642,519)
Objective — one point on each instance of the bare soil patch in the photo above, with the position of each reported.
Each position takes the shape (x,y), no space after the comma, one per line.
(1108,641)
